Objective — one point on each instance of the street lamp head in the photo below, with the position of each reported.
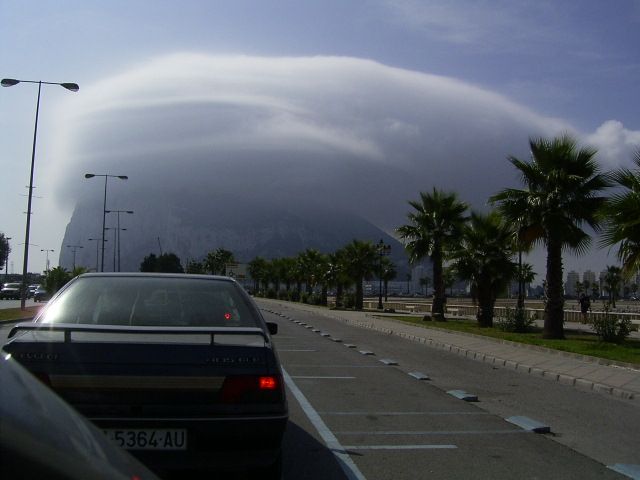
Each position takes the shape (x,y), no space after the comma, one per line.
(129,211)
(89,175)
(70,86)
(123,177)
(9,82)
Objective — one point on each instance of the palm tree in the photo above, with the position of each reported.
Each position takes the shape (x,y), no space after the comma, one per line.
(311,263)
(360,261)
(433,230)
(525,275)
(561,194)
(425,282)
(336,274)
(612,281)
(622,218)
(258,272)
(484,257)
(389,272)
(217,260)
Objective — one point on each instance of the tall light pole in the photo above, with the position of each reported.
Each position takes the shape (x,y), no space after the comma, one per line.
(6,260)
(104,208)
(10,82)
(382,251)
(118,212)
(97,240)
(74,248)
(116,239)
(47,250)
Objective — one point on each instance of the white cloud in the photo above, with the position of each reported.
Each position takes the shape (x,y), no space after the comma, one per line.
(616,144)
(376,134)
(342,133)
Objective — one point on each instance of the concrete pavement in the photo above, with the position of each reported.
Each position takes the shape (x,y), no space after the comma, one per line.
(589,373)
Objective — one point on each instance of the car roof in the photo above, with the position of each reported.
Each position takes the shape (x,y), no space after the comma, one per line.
(157,275)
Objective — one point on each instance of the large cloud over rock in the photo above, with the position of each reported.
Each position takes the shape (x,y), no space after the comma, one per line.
(330,132)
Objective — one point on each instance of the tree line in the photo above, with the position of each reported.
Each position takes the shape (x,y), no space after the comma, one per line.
(562,193)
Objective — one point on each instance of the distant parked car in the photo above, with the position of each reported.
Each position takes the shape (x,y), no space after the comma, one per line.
(41,294)
(31,289)
(11,291)
(179,369)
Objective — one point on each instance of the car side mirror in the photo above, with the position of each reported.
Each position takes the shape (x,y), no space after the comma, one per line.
(273,328)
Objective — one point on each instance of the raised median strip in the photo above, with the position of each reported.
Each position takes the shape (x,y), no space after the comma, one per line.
(462,395)
(419,376)
(388,361)
(628,469)
(366,352)
(529,424)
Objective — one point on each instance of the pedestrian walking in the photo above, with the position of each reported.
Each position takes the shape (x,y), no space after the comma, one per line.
(585,305)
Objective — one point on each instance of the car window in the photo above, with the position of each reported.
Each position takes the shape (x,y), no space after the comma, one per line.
(152,301)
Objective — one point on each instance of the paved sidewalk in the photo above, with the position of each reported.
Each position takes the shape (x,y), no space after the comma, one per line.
(583,372)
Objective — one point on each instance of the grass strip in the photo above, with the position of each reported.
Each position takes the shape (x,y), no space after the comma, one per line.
(16,314)
(578,342)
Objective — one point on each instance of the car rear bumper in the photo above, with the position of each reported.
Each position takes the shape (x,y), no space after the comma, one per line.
(219,443)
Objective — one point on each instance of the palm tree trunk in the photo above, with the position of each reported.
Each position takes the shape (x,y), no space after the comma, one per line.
(486,302)
(359,295)
(554,309)
(437,308)
(339,292)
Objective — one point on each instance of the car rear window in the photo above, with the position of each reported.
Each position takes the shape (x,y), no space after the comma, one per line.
(152,301)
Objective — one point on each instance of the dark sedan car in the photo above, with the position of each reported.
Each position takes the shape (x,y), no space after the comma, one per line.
(178,369)
(11,291)
(40,294)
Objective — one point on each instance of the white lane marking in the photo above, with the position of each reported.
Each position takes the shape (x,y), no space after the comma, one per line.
(400,447)
(295,350)
(435,432)
(330,378)
(382,414)
(348,466)
(310,365)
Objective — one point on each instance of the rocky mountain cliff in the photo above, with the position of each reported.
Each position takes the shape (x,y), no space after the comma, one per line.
(192,225)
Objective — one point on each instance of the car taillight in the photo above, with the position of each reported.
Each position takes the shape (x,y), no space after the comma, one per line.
(251,389)
(268,383)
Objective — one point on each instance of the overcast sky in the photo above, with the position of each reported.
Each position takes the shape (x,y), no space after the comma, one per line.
(434,93)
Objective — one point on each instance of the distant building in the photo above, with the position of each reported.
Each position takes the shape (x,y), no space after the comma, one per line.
(588,279)
(573,278)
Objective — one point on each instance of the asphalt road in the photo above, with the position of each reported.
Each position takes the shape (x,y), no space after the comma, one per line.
(381,423)
(354,417)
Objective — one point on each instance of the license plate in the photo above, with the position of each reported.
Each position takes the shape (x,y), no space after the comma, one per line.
(148,439)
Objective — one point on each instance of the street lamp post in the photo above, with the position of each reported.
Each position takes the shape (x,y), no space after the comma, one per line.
(74,249)
(118,212)
(97,240)
(10,82)
(382,251)
(116,239)
(6,261)
(104,208)
(47,250)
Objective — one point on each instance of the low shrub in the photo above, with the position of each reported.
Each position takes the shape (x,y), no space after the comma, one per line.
(515,321)
(294,296)
(611,328)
